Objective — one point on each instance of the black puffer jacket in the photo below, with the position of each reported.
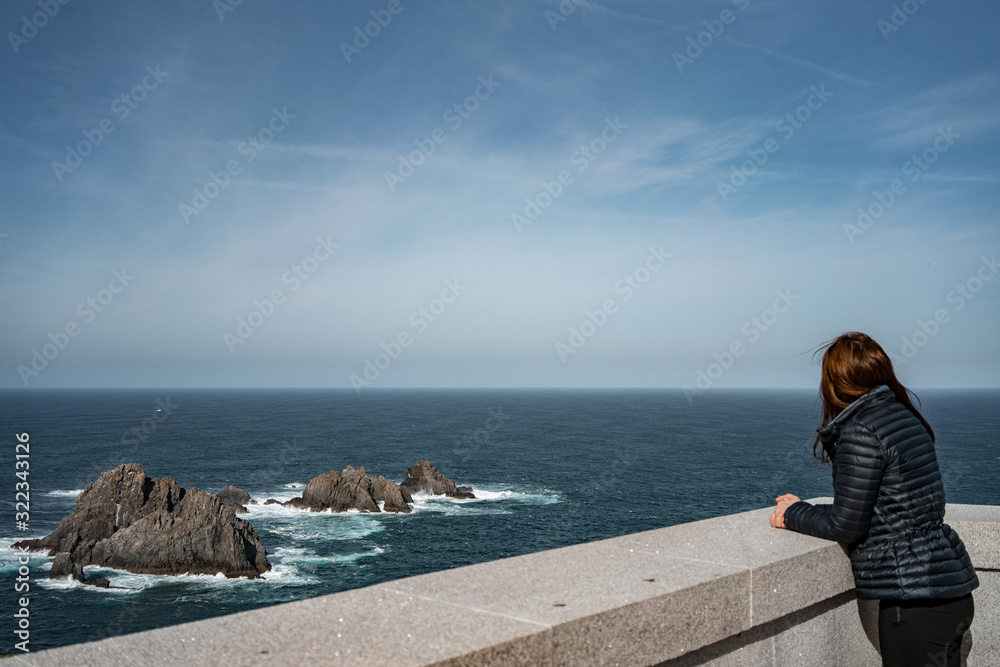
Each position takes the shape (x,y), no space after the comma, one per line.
(888,504)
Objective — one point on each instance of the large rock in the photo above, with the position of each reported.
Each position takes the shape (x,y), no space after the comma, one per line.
(128,521)
(425,477)
(351,489)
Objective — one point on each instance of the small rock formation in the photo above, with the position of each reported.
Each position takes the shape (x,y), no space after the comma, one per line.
(351,489)
(395,497)
(128,521)
(63,566)
(425,477)
(235,498)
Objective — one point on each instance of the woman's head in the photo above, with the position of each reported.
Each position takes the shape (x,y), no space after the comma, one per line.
(853,365)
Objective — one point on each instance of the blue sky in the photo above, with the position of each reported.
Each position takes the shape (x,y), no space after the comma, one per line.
(496,194)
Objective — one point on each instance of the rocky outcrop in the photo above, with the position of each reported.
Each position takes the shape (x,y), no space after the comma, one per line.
(394,497)
(235,498)
(425,477)
(128,521)
(352,489)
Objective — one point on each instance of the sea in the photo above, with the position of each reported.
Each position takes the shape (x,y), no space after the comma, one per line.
(548,468)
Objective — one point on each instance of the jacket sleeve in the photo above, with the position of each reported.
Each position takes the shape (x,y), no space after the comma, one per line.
(858,466)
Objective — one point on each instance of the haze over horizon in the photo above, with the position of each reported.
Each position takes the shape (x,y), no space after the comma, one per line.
(528,194)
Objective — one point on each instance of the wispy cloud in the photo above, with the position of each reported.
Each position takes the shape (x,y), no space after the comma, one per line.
(970,104)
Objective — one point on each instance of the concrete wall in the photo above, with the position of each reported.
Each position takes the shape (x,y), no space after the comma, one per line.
(724,591)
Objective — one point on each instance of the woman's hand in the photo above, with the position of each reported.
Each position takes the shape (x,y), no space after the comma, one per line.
(783,503)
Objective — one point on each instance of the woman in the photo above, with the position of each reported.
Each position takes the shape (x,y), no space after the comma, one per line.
(888,507)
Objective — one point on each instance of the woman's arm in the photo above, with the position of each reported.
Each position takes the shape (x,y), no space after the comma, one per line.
(858,466)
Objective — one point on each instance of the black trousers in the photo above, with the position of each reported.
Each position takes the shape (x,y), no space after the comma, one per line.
(923,633)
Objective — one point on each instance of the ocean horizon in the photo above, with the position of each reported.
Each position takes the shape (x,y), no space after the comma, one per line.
(549,467)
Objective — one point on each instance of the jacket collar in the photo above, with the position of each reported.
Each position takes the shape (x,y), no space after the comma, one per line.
(829,433)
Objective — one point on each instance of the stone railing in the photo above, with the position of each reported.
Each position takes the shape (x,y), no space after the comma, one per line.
(724,591)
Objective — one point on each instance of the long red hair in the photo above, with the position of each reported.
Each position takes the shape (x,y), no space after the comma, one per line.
(853,365)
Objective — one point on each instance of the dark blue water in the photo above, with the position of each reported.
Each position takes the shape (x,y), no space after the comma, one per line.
(551,469)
